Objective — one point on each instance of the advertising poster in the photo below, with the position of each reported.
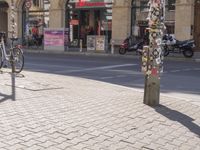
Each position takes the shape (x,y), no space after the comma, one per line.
(91,42)
(53,38)
(100,43)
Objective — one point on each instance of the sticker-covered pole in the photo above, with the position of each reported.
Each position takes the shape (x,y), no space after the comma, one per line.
(152,60)
(13,32)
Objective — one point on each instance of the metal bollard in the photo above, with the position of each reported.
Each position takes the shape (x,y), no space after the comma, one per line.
(112,47)
(81,45)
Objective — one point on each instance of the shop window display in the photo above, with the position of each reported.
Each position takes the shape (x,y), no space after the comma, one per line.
(91,17)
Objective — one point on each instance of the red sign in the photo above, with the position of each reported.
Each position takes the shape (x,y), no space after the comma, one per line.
(84,3)
(74,22)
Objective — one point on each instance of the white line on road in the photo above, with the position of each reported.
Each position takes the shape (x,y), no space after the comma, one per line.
(175,71)
(188,69)
(119,76)
(196,68)
(48,65)
(96,68)
(107,78)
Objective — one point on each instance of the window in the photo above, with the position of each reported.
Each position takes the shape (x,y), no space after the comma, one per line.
(36,3)
(171,4)
(144,5)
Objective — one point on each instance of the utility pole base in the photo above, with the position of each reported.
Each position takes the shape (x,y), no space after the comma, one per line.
(152,90)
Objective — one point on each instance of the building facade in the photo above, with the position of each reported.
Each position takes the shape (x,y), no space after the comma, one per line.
(115,19)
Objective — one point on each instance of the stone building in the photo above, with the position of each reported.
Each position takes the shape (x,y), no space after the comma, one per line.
(115,19)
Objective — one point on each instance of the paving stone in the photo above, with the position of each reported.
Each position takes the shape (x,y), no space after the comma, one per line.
(59,140)
(139,145)
(79,146)
(64,145)
(3,144)
(17,147)
(47,144)
(13,142)
(30,143)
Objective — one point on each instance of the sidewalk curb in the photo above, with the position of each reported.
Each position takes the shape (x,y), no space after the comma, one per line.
(172,58)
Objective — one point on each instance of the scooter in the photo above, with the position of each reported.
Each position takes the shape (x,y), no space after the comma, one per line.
(128,45)
(171,45)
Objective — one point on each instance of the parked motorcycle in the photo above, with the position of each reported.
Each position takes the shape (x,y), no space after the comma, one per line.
(171,45)
(129,45)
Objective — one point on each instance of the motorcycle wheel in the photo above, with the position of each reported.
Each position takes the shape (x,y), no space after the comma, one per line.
(188,53)
(122,51)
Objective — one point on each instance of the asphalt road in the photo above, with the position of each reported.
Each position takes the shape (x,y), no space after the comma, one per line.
(180,79)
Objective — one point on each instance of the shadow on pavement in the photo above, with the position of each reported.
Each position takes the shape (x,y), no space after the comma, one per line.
(5,97)
(13,88)
(179,117)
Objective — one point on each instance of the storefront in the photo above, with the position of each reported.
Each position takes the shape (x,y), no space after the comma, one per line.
(35,21)
(84,18)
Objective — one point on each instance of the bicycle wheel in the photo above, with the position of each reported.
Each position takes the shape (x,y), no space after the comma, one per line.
(18,60)
(1,58)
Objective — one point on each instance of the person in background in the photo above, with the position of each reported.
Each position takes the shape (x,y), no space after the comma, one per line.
(40,26)
(91,31)
(146,36)
(35,32)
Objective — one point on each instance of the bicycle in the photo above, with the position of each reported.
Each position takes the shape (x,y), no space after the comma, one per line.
(15,56)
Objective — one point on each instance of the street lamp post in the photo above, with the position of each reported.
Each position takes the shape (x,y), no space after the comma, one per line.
(13,33)
(152,60)
(13,36)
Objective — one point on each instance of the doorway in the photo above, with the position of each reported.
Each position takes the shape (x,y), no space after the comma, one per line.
(197,24)
(4,17)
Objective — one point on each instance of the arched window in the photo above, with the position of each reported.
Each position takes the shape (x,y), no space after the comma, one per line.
(38,16)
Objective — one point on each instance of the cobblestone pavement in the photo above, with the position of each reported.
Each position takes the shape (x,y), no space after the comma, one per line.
(66,113)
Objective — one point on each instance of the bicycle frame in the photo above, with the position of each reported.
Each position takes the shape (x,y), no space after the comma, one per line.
(5,56)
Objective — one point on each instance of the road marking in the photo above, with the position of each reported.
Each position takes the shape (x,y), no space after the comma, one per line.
(188,69)
(196,68)
(175,71)
(47,65)
(197,60)
(96,68)
(107,78)
(119,76)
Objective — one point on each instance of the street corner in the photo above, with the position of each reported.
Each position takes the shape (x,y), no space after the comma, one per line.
(76,117)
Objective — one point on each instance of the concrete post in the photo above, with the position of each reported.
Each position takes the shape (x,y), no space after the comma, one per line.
(152,54)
